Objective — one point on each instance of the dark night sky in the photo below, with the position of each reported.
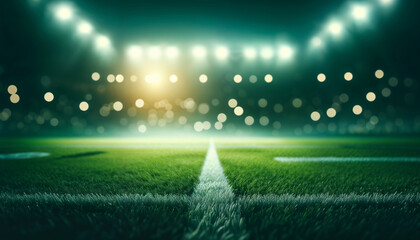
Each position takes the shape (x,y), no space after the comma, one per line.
(33,44)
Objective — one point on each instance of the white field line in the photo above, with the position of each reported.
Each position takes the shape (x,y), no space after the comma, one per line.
(23,155)
(373,198)
(214,212)
(347,159)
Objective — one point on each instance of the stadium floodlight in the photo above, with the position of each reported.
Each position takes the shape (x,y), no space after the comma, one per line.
(134,52)
(316,42)
(360,12)
(267,53)
(155,52)
(172,52)
(102,41)
(286,52)
(84,27)
(64,12)
(199,52)
(222,52)
(335,28)
(250,53)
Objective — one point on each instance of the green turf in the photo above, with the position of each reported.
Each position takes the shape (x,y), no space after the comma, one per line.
(254,171)
(103,170)
(93,219)
(332,221)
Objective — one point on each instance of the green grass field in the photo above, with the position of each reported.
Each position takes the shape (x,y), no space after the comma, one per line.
(129,189)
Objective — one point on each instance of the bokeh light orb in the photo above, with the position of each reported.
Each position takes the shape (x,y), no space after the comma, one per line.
(321,77)
(49,96)
(84,106)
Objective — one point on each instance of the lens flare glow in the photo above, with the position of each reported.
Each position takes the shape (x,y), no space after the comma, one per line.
(335,28)
(360,12)
(286,52)
(222,53)
(250,53)
(64,12)
(199,52)
(84,28)
(102,41)
(134,52)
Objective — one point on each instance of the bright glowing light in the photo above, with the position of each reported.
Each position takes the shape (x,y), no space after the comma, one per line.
(250,53)
(379,74)
(268,78)
(155,52)
(12,89)
(95,76)
(232,103)
(198,126)
(142,128)
(203,78)
(331,112)
(199,52)
(316,42)
(118,106)
(221,117)
(119,78)
(315,116)
(49,97)
(348,76)
(264,121)
(222,53)
(249,120)
(172,52)
(110,78)
(134,52)
(321,77)
(357,109)
(237,78)
(335,28)
(286,52)
(84,28)
(370,96)
(64,12)
(153,78)
(360,12)
(139,103)
(238,111)
(102,41)
(386,2)
(173,78)
(84,106)
(218,125)
(14,98)
(267,53)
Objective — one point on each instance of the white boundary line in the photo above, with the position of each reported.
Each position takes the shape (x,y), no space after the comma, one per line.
(214,212)
(347,159)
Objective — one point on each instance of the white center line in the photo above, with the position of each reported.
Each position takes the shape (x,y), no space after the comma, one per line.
(214,212)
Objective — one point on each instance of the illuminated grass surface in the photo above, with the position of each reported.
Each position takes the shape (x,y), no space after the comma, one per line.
(285,218)
(254,171)
(92,217)
(102,170)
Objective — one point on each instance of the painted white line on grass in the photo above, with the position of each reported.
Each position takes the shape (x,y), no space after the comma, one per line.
(373,198)
(214,212)
(23,155)
(347,159)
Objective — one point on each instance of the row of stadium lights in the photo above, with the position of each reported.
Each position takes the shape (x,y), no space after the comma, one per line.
(358,12)
(173,78)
